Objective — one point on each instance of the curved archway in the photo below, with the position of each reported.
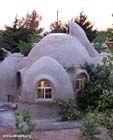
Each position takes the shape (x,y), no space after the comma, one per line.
(19,84)
(18,77)
(44,89)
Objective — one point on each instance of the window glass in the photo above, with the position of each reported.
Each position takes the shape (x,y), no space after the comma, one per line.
(80,81)
(44,89)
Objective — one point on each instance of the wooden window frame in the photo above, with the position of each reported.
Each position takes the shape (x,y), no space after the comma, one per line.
(45,95)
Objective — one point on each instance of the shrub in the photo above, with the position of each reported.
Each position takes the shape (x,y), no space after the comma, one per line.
(99,40)
(105,101)
(68,109)
(89,127)
(24,124)
(101,80)
(25,47)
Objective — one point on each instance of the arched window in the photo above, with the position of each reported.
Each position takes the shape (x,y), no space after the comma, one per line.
(80,81)
(44,89)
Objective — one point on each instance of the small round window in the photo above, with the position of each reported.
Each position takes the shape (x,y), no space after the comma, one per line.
(44,89)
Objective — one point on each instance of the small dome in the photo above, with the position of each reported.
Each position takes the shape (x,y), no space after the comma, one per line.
(64,48)
(46,68)
(8,69)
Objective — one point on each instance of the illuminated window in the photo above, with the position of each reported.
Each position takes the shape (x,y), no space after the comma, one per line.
(80,81)
(44,89)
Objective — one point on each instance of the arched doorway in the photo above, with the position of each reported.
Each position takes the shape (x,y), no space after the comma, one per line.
(18,78)
(19,84)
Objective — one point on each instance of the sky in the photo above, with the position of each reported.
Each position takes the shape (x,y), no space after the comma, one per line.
(98,11)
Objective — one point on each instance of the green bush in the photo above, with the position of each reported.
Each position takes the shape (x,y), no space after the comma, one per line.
(89,127)
(99,40)
(97,100)
(105,101)
(101,80)
(25,47)
(105,120)
(24,123)
(68,109)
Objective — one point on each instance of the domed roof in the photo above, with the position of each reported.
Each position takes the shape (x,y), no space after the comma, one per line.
(8,69)
(49,69)
(66,49)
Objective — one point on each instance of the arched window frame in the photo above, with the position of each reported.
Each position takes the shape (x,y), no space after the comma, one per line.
(80,84)
(45,95)
(80,81)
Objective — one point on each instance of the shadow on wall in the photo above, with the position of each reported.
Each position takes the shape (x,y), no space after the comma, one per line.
(3,54)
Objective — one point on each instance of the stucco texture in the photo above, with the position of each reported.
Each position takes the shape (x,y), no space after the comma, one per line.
(66,49)
(47,68)
(8,68)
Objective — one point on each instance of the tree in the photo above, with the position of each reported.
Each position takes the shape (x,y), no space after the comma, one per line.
(99,41)
(110,33)
(21,30)
(100,85)
(25,47)
(58,27)
(31,22)
(87,26)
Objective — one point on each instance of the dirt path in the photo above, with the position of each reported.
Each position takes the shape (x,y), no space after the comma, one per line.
(65,134)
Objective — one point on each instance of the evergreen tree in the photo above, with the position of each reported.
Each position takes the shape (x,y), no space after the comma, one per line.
(58,27)
(87,26)
(21,30)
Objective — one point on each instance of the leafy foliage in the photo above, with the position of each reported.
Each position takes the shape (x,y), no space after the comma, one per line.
(68,109)
(100,81)
(24,124)
(58,27)
(21,30)
(110,33)
(98,99)
(106,120)
(89,127)
(25,47)
(105,101)
(95,120)
(99,40)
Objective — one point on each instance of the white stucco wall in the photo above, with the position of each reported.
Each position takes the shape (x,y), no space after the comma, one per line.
(8,69)
(49,69)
